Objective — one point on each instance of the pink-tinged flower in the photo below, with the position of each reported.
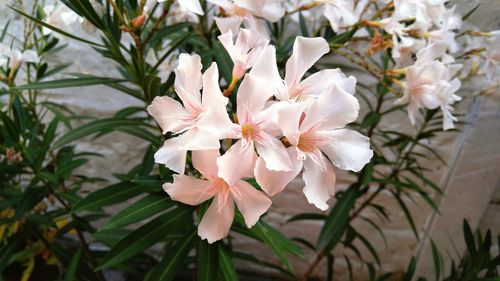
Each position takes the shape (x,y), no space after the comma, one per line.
(313,132)
(430,84)
(225,192)
(306,51)
(256,128)
(245,51)
(191,5)
(200,123)
(248,12)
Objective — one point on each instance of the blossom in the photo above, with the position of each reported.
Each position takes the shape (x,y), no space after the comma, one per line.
(306,51)
(341,13)
(245,51)
(256,127)
(492,55)
(16,57)
(429,84)
(226,192)
(200,123)
(313,132)
(59,16)
(249,12)
(449,22)
(191,5)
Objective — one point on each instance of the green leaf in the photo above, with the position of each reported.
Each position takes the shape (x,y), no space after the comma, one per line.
(69,35)
(70,83)
(407,212)
(207,261)
(226,266)
(370,119)
(306,216)
(7,251)
(173,259)
(95,127)
(303,25)
(145,237)
(437,261)
(259,262)
(466,16)
(410,270)
(10,131)
(73,265)
(337,221)
(275,242)
(4,30)
(146,207)
(469,238)
(111,237)
(116,193)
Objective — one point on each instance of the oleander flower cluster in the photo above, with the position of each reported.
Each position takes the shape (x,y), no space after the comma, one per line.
(283,126)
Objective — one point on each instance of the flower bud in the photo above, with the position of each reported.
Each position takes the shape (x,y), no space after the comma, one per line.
(138,21)
(239,71)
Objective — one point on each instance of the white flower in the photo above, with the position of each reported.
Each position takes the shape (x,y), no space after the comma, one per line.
(342,13)
(245,51)
(191,5)
(249,13)
(449,22)
(59,16)
(16,57)
(491,65)
(430,84)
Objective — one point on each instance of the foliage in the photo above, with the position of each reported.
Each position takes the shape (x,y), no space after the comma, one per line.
(49,221)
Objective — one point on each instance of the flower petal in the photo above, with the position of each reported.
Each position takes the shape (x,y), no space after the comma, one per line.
(319,185)
(334,109)
(252,96)
(274,154)
(192,5)
(266,68)
(197,139)
(171,156)
(215,226)
(320,81)
(188,190)
(169,114)
(228,24)
(188,81)
(236,163)
(273,182)
(251,202)
(306,51)
(205,161)
(348,150)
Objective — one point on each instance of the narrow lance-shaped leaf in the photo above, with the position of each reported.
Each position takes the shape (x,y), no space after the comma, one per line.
(146,207)
(337,221)
(145,237)
(226,265)
(62,32)
(70,83)
(174,258)
(95,127)
(110,195)
(207,263)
